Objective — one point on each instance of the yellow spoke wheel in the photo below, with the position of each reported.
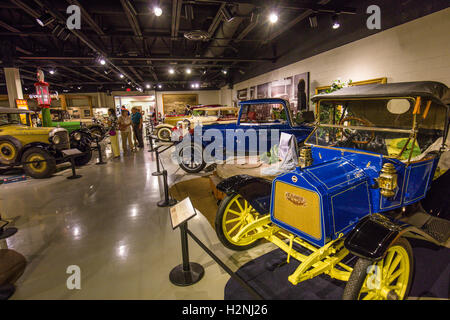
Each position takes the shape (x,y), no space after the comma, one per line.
(388,278)
(233,215)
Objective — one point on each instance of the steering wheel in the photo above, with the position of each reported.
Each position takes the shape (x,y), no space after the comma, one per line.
(350,134)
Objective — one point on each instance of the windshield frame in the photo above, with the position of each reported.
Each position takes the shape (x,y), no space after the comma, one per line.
(20,123)
(413,132)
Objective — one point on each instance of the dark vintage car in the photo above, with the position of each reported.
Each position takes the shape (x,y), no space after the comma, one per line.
(365,168)
(263,119)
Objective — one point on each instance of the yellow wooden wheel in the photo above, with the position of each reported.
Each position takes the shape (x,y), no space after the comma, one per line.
(388,278)
(234,214)
(8,152)
(38,163)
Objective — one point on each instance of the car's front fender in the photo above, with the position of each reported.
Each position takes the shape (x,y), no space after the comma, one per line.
(256,191)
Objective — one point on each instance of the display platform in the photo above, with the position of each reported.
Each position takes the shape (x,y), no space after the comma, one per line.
(431,278)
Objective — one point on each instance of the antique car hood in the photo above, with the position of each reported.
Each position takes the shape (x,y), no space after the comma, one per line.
(20,129)
(336,173)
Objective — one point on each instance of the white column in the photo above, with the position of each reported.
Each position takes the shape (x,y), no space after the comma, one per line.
(13,85)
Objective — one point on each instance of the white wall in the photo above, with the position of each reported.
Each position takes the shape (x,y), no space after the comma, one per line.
(415,51)
(204,97)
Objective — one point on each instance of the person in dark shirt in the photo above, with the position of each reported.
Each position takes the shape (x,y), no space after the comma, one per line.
(136,120)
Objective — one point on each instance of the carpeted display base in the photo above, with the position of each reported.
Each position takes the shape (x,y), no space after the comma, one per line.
(201,195)
(431,278)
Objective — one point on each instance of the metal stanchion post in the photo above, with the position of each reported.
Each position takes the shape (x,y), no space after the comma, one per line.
(167,201)
(186,273)
(158,170)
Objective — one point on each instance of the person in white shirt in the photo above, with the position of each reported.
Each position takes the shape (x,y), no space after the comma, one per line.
(125,130)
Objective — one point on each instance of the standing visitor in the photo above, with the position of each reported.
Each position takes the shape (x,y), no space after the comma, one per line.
(136,119)
(113,134)
(125,130)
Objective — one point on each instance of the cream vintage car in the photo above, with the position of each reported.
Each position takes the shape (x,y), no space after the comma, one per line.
(202,115)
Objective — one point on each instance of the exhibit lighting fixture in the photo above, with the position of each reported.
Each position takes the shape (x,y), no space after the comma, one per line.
(52,71)
(157,11)
(45,20)
(147,86)
(102,61)
(226,14)
(159,86)
(273,17)
(313,21)
(336,23)
(224,71)
(171,71)
(188,71)
(121,76)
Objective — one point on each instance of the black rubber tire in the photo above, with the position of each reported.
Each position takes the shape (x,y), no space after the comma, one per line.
(359,273)
(187,169)
(11,146)
(161,136)
(219,231)
(51,163)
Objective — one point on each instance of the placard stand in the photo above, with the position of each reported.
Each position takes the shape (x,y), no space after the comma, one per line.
(186,273)
(72,154)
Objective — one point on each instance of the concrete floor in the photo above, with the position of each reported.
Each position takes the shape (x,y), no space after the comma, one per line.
(108,224)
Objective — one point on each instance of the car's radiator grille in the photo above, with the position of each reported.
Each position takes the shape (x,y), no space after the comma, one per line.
(298,208)
(64,140)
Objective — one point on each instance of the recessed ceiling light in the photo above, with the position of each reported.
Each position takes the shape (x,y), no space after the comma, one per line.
(157,11)
(336,23)
(273,17)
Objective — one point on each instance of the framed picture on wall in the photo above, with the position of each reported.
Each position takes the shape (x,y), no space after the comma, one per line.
(301,94)
(252,94)
(383,80)
(242,94)
(262,91)
(176,103)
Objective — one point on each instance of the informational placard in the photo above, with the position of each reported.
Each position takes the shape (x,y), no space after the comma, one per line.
(182,212)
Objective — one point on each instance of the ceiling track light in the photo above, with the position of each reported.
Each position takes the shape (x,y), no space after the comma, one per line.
(313,21)
(273,17)
(226,14)
(157,11)
(188,71)
(45,20)
(336,23)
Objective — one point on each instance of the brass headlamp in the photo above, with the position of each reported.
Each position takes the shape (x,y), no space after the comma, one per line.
(387,181)
(305,159)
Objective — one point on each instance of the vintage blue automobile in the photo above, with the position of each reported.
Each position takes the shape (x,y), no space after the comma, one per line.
(363,170)
(262,119)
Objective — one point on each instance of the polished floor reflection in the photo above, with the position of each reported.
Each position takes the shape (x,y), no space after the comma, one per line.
(108,224)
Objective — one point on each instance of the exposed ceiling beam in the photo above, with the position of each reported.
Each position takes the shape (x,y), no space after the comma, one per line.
(80,35)
(154,58)
(35,14)
(136,73)
(131,16)
(293,22)
(176,15)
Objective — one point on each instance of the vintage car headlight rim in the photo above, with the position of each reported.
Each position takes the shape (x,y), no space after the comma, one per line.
(77,136)
(56,139)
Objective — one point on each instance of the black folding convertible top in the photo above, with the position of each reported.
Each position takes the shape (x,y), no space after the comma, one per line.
(427,89)
(14,110)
